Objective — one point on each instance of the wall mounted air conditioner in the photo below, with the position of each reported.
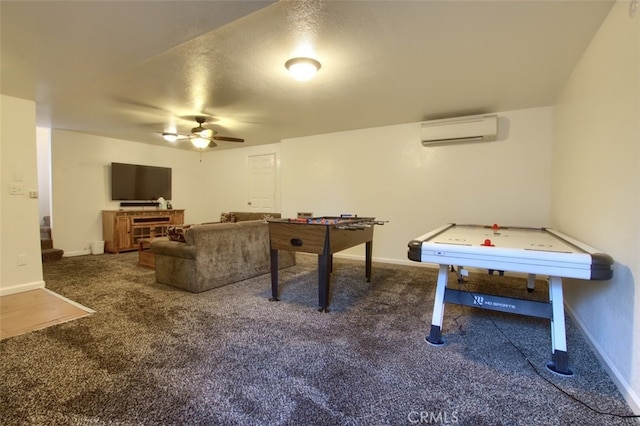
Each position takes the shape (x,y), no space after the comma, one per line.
(477,128)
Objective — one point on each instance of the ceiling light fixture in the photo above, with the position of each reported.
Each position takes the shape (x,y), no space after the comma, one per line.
(199,141)
(170,137)
(302,69)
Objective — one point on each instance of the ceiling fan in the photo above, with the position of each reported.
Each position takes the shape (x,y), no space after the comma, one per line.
(200,136)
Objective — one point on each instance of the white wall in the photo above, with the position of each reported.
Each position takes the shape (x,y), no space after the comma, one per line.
(596,190)
(386,172)
(204,185)
(20,258)
(43,142)
(81,184)
(227,176)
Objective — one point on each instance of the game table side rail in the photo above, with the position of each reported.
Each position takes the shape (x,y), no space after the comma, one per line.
(585,262)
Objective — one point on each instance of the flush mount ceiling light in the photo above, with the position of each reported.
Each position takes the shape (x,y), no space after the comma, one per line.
(302,69)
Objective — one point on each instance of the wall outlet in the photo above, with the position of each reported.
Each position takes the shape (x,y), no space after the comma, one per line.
(33,194)
(22,259)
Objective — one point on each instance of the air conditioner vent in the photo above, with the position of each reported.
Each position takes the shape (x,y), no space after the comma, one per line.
(477,128)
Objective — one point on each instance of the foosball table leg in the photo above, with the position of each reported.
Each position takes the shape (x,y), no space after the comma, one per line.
(324,268)
(274,276)
(368,253)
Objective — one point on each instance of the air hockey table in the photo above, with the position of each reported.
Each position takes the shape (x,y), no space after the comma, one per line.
(532,251)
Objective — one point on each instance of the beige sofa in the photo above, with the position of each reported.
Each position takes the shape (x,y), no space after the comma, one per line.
(214,255)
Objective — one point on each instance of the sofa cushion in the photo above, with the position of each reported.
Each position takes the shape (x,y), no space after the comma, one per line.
(228,217)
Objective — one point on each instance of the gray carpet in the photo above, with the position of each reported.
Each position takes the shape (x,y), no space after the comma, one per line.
(152,354)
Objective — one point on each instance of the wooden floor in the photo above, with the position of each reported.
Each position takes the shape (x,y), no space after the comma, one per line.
(34,310)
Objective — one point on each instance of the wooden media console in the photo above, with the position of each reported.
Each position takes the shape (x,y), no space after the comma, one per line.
(122,229)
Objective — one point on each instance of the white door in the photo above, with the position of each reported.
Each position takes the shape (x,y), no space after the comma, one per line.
(262,182)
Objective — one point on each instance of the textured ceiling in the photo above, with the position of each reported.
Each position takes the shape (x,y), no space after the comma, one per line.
(130,70)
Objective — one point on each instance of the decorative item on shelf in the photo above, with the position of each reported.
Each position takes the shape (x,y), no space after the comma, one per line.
(169,206)
(162,204)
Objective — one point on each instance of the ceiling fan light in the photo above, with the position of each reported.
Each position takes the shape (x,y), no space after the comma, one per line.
(202,132)
(199,142)
(302,69)
(170,137)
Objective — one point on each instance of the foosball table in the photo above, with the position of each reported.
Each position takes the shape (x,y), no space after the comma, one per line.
(323,236)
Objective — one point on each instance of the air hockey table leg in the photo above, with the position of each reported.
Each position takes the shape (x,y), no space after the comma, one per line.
(435,334)
(559,359)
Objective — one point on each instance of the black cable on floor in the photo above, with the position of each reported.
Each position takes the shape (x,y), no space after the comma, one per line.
(533,366)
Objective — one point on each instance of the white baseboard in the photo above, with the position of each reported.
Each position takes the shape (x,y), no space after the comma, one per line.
(384,260)
(623,386)
(19,288)
(76,253)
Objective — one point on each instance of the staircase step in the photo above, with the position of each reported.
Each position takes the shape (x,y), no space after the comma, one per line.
(51,254)
(45,232)
(46,244)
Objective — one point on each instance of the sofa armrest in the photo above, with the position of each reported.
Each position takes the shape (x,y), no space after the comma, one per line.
(174,248)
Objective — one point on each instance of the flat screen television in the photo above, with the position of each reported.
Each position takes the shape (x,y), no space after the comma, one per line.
(133,182)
